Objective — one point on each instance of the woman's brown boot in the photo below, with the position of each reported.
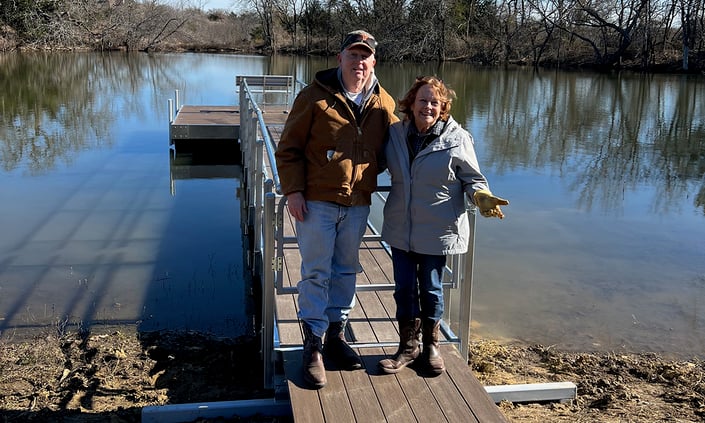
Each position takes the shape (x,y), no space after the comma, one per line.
(408,350)
(431,356)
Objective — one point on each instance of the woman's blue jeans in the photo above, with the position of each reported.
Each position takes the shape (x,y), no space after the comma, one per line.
(329,241)
(418,285)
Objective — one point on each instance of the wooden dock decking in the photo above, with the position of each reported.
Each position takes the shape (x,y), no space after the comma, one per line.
(215,122)
(364,395)
(368,395)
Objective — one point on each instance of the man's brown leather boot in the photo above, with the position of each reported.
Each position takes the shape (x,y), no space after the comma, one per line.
(337,349)
(314,370)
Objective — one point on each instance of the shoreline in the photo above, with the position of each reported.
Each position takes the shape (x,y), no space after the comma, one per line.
(122,371)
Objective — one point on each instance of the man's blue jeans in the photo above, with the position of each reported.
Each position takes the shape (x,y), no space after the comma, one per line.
(418,285)
(329,241)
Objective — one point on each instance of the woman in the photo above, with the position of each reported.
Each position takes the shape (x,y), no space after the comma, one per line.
(433,165)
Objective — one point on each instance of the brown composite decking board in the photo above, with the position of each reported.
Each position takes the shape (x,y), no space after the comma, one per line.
(377,264)
(471,389)
(418,395)
(361,394)
(394,406)
(305,403)
(225,115)
(287,306)
(368,395)
(334,401)
(207,115)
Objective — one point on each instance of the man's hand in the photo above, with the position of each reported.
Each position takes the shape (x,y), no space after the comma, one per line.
(489,204)
(297,205)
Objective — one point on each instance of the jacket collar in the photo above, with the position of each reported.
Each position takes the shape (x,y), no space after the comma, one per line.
(448,137)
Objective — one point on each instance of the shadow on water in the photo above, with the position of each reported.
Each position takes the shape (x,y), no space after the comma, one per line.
(215,297)
(200,351)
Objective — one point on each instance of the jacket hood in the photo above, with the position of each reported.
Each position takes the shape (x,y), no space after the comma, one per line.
(331,79)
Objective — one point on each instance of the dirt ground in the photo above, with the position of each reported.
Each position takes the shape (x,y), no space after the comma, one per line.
(109,377)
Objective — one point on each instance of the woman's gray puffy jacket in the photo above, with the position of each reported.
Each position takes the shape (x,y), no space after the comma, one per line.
(425,209)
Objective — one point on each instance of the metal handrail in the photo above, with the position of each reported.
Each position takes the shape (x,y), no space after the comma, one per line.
(265,218)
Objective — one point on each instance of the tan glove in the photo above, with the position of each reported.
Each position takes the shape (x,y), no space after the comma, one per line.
(489,204)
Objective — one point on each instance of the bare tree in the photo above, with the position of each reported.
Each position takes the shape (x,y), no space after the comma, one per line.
(288,13)
(606,27)
(691,13)
(265,9)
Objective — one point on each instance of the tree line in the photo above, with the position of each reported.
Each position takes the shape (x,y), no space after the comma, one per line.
(649,35)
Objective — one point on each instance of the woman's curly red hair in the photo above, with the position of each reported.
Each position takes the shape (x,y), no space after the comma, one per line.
(445,93)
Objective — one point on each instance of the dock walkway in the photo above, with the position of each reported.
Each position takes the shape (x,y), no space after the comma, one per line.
(364,395)
(368,395)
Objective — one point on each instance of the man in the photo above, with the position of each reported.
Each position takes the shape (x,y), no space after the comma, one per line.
(327,162)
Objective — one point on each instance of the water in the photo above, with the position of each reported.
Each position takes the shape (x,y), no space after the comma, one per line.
(101,224)
(603,246)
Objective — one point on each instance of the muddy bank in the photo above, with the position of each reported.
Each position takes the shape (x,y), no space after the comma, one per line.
(110,376)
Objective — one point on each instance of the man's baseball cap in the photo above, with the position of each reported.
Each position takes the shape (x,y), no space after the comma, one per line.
(359,38)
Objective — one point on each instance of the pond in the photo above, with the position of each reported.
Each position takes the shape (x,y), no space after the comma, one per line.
(603,246)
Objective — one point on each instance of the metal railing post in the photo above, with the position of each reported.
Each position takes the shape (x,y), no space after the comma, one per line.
(244,130)
(261,216)
(268,275)
(258,194)
(466,290)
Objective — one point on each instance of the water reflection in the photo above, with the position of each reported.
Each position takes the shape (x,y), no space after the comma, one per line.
(603,245)
(205,286)
(614,133)
(49,110)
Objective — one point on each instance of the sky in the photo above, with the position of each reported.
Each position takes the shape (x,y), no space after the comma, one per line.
(228,5)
